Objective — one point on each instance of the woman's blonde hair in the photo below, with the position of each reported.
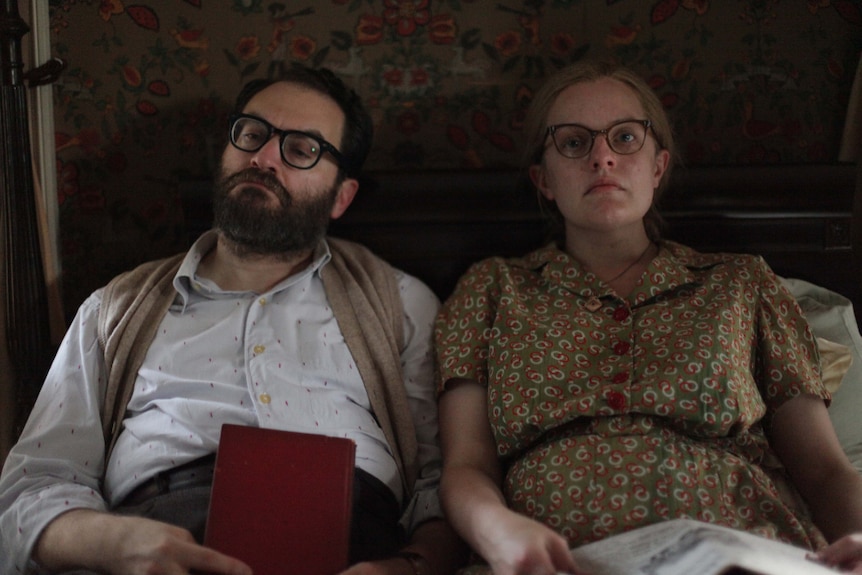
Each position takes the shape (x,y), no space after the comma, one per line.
(536,128)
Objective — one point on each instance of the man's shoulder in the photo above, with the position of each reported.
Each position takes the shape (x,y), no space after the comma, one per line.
(150,267)
(144,281)
(356,261)
(407,283)
(350,248)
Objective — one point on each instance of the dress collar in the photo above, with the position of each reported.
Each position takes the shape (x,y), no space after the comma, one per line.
(674,267)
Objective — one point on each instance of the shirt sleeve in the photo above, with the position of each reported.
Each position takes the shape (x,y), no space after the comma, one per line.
(417,363)
(57,464)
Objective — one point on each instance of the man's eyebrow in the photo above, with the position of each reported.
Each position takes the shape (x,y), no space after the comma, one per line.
(311,131)
(315,132)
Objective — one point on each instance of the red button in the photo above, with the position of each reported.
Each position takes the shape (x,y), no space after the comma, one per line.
(621,314)
(621,377)
(622,347)
(616,400)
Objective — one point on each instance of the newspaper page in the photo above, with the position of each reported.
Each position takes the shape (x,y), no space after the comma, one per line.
(684,546)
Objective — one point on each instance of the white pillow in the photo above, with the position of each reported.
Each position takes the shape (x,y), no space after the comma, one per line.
(831,317)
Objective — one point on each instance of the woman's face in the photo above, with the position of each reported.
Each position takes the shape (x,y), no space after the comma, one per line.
(602,191)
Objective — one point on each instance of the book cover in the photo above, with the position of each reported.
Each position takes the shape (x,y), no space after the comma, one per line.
(281,501)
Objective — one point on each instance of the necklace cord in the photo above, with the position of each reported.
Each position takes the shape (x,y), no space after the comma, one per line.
(631,265)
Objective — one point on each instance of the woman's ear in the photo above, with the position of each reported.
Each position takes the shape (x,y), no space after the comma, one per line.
(344,197)
(662,159)
(539,178)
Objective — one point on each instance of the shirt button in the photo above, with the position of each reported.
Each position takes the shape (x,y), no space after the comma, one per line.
(262,301)
(616,400)
(621,314)
(622,347)
(264,398)
(259,349)
(621,377)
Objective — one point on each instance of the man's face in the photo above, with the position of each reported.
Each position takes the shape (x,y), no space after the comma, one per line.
(264,206)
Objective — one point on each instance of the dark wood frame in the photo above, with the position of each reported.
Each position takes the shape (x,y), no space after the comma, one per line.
(24,291)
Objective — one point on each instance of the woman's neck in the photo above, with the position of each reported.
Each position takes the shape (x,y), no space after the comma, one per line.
(617,261)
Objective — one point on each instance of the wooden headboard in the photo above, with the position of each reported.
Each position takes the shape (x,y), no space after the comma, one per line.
(435,224)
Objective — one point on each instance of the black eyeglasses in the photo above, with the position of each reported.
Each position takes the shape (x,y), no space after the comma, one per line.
(576,141)
(298,149)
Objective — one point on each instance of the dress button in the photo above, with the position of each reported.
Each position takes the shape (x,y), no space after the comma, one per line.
(621,377)
(264,398)
(616,400)
(259,349)
(621,314)
(622,347)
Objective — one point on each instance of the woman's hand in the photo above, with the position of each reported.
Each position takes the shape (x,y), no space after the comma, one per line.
(522,546)
(844,554)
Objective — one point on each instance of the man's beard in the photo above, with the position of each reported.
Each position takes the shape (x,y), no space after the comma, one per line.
(255,228)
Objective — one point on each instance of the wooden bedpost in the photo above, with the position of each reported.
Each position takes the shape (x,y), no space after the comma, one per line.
(24,291)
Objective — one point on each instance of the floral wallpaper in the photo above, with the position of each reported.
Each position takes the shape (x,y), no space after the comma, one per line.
(141,105)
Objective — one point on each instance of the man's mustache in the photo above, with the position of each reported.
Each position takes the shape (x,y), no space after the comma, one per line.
(260,177)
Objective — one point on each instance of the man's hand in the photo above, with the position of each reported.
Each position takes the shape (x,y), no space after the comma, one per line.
(121,545)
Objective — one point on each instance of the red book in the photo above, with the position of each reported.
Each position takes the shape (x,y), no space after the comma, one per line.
(281,501)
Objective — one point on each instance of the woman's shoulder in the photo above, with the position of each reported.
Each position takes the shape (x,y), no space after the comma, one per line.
(490,273)
(533,260)
(507,265)
(690,257)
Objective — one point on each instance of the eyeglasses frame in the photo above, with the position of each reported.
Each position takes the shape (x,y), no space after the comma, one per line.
(325,146)
(551,130)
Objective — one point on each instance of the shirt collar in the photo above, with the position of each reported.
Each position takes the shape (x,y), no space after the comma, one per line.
(190,287)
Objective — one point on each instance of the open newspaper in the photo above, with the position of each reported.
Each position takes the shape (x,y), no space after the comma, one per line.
(687,547)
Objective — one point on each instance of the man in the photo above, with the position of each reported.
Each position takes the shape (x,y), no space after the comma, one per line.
(258,324)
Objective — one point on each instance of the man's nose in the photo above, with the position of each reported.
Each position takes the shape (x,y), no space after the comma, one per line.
(269,155)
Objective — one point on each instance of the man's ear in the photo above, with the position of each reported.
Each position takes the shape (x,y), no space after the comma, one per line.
(344,197)
(537,175)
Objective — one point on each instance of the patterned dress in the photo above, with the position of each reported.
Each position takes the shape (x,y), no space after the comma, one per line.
(611,414)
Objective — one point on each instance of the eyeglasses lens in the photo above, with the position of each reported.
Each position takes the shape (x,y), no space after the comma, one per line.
(249,135)
(298,150)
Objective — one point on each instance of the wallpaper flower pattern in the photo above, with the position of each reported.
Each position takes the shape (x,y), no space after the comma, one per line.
(142,103)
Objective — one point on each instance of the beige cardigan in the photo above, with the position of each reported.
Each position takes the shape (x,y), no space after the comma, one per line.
(365,299)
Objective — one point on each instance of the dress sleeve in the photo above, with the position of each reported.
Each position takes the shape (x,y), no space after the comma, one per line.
(788,361)
(465,325)
(57,464)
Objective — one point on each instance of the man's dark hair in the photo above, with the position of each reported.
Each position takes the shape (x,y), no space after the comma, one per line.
(358,128)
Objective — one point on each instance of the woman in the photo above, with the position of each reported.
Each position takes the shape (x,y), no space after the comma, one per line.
(615,379)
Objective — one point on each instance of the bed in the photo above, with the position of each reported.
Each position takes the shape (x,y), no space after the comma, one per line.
(801,218)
